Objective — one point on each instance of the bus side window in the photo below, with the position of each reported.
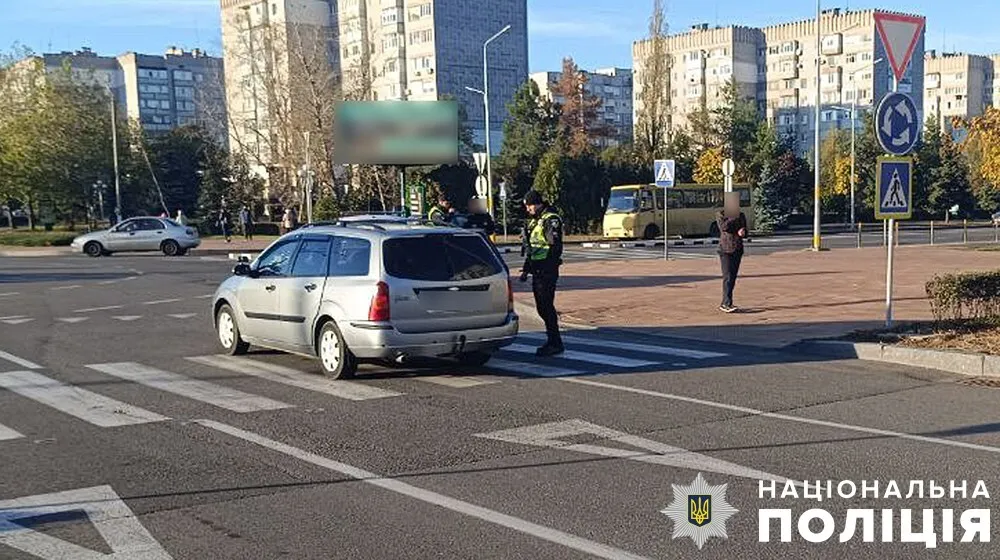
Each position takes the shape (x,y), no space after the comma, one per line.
(659,198)
(646,201)
(745,197)
(676,199)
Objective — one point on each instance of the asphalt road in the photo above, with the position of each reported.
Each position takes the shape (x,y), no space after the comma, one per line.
(115,404)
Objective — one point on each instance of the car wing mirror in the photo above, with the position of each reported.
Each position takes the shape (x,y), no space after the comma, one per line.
(243,269)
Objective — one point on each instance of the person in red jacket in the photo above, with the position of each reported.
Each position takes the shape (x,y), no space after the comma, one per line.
(732,231)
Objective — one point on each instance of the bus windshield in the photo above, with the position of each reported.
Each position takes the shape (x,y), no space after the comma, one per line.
(622,200)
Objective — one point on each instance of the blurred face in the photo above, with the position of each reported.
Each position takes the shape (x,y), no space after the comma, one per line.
(444,203)
(732,203)
(533,209)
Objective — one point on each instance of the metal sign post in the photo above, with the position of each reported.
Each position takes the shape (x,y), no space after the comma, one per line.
(728,169)
(503,202)
(663,176)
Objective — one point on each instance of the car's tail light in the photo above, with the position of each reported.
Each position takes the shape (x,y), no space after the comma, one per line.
(379,310)
(510,296)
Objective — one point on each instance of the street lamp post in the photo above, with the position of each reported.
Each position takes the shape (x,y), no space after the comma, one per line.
(486,105)
(854,131)
(816,244)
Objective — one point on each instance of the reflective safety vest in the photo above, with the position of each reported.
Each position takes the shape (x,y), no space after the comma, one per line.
(538,246)
(436,213)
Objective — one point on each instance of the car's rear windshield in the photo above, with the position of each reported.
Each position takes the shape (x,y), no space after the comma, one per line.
(440,258)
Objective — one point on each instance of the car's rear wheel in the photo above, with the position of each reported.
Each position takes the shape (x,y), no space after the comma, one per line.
(170,248)
(93,249)
(474,359)
(334,355)
(229,332)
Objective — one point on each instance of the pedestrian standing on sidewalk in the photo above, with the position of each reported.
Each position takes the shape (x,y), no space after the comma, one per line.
(225,225)
(246,222)
(543,247)
(732,231)
(181,219)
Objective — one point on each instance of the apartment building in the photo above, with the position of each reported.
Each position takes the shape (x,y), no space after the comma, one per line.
(854,70)
(178,88)
(956,86)
(702,62)
(612,86)
(776,66)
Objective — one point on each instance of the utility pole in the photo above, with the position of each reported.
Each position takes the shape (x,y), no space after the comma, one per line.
(486,103)
(817,242)
(114,151)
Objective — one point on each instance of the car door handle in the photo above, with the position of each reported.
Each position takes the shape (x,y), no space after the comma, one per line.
(269,288)
(310,287)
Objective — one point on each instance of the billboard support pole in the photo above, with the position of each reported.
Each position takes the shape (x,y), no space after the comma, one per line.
(402,189)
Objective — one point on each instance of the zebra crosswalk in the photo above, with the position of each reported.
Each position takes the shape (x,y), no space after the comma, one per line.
(585,355)
(633,253)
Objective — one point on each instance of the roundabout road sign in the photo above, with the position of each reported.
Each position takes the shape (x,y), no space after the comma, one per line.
(897,124)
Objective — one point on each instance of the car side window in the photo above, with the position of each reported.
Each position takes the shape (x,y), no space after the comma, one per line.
(350,256)
(150,224)
(277,261)
(312,258)
(128,226)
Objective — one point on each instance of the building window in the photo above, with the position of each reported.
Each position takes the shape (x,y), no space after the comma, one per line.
(274,9)
(866,56)
(390,66)
(183,75)
(429,86)
(420,37)
(184,92)
(390,42)
(960,76)
(390,16)
(851,58)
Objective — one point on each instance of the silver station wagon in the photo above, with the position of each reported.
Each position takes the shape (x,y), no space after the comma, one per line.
(360,291)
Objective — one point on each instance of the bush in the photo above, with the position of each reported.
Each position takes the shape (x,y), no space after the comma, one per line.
(966,295)
(28,238)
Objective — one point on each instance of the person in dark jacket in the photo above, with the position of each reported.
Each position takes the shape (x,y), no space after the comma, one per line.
(246,223)
(732,231)
(225,224)
(542,245)
(479,218)
(441,214)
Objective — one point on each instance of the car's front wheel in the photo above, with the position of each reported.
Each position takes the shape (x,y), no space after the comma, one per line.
(229,332)
(336,357)
(93,249)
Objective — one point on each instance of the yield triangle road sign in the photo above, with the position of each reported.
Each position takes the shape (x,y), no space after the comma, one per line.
(900,34)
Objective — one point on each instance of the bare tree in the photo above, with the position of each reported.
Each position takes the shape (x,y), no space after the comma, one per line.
(654,123)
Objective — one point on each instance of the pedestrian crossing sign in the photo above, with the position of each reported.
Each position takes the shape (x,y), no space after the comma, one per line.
(663,173)
(895,188)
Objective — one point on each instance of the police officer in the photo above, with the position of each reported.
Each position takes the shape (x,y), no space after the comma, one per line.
(542,246)
(442,212)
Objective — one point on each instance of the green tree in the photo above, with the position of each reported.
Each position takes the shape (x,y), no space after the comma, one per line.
(734,127)
(529,131)
(652,83)
(835,170)
(579,121)
(680,147)
(575,186)
(950,182)
(623,166)
(926,164)
(708,170)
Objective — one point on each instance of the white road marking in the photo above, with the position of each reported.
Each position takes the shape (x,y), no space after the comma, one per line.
(73,287)
(554,434)
(160,301)
(632,347)
(288,376)
(8,433)
(216,395)
(454,381)
(127,318)
(105,308)
(529,368)
(8,294)
(602,359)
(182,315)
(19,361)
(17,321)
(10,317)
(112,518)
(117,280)
(72,319)
(789,418)
(206,296)
(85,405)
(465,508)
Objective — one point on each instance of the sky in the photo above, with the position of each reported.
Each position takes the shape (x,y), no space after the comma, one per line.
(596,33)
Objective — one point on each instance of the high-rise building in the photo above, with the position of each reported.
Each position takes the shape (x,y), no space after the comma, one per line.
(703,61)
(612,86)
(776,67)
(992,83)
(956,86)
(159,92)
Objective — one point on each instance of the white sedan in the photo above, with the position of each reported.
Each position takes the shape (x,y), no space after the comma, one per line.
(139,234)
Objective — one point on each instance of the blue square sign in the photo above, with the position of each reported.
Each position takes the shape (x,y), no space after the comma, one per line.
(663,173)
(895,188)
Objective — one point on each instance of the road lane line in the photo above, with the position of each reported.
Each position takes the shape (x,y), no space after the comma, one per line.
(529,368)
(8,294)
(10,317)
(72,319)
(73,287)
(643,348)
(127,318)
(160,301)
(19,361)
(211,393)
(8,433)
(85,405)
(602,359)
(17,321)
(105,308)
(295,378)
(454,381)
(182,315)
(459,506)
(799,419)
(206,296)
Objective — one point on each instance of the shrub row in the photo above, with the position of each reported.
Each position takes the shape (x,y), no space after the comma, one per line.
(966,295)
(28,238)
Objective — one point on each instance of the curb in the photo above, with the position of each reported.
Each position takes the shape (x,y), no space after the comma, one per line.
(631,244)
(961,363)
(39,252)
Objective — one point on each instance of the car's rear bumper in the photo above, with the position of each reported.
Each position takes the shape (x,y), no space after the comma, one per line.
(374,341)
(188,243)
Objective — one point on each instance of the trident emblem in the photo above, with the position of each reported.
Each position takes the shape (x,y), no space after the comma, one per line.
(699,509)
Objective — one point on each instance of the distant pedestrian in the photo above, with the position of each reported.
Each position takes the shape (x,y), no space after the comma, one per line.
(543,247)
(246,223)
(289,222)
(164,215)
(181,218)
(732,231)
(225,225)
